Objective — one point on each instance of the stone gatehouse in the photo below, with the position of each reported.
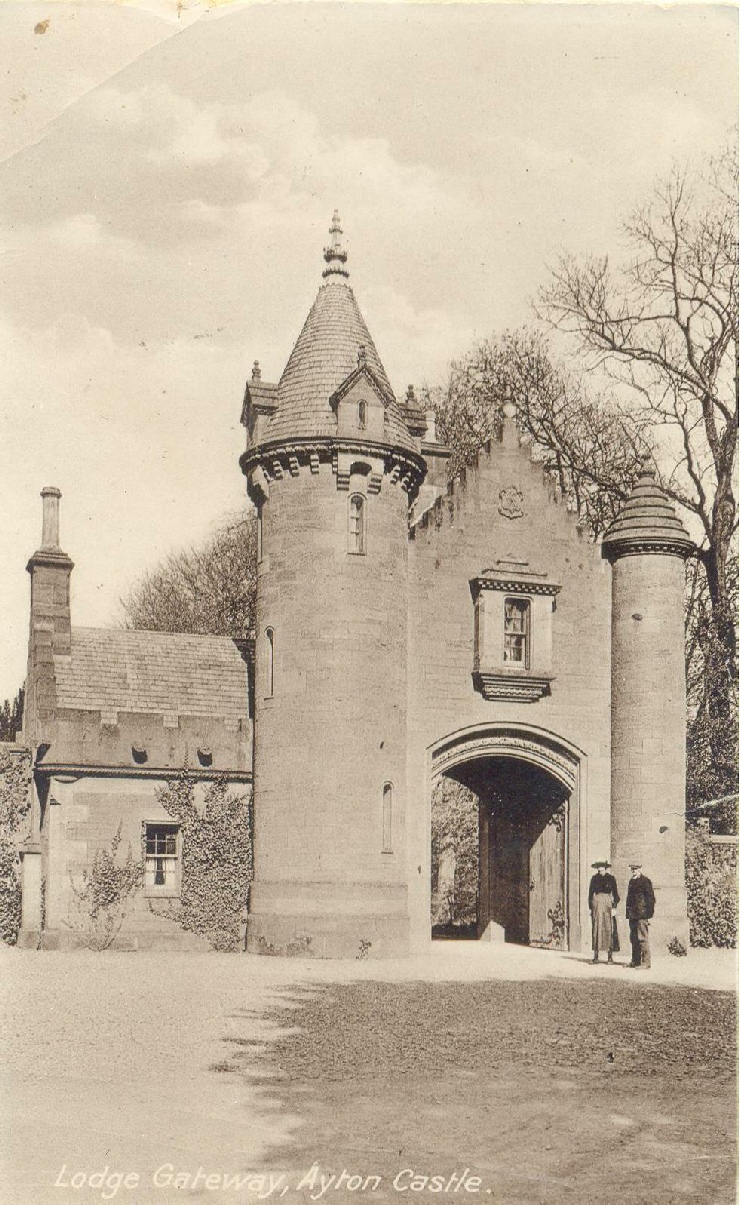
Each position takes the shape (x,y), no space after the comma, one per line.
(406,628)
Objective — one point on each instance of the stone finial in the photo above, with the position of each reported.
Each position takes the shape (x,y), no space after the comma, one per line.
(256,371)
(334,254)
(410,396)
(361,356)
(50,524)
(509,433)
(509,407)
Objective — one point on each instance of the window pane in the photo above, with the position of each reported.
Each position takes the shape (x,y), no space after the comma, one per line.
(161,856)
(516,630)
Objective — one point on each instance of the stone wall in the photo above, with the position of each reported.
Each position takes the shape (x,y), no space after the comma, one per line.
(330,729)
(82,815)
(502,510)
(648,732)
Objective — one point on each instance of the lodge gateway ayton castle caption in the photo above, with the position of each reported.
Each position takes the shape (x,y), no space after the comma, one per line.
(405,628)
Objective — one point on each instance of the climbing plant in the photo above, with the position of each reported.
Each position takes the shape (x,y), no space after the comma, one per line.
(101,899)
(216,848)
(15,804)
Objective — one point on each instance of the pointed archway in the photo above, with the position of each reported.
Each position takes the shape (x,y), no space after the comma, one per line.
(530,784)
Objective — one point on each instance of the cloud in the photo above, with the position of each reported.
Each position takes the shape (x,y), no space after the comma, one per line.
(158,217)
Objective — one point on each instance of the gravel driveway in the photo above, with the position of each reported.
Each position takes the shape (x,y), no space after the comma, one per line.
(155,1066)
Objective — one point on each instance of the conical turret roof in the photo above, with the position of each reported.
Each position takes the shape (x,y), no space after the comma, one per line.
(647,523)
(334,339)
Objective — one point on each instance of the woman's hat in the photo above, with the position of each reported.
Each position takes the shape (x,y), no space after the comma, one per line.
(596,865)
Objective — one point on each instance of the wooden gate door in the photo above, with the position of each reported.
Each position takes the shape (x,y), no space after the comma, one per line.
(547,918)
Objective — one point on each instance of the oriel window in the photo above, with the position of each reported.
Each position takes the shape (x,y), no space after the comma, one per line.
(356,534)
(517,631)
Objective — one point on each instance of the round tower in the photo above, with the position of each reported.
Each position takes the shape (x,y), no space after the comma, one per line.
(647,546)
(332,468)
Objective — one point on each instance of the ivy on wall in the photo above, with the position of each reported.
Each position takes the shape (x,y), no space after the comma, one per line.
(216,848)
(711,884)
(15,804)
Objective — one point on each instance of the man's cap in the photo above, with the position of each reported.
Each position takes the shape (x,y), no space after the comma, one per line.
(596,865)
(635,865)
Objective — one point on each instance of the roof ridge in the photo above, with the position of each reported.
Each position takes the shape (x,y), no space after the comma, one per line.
(112,631)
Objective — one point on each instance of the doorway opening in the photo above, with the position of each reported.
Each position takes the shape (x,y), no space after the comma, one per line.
(500,852)
(455,861)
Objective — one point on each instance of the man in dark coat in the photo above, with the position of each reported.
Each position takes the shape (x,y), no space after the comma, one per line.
(640,909)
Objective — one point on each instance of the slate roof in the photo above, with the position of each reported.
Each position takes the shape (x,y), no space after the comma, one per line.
(259,393)
(324,355)
(152,672)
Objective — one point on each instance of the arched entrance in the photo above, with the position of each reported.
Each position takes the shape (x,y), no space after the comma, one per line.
(529,784)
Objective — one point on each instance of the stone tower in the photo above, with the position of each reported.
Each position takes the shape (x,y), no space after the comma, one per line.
(647,546)
(332,467)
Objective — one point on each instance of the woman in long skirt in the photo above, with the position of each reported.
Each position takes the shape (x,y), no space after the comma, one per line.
(602,898)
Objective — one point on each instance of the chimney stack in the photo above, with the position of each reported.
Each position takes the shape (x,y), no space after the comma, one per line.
(50,528)
(50,632)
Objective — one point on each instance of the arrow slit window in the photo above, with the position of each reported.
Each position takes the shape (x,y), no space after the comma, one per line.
(387,847)
(356,533)
(269,663)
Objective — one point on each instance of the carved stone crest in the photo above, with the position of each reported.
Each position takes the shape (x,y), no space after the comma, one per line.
(511,502)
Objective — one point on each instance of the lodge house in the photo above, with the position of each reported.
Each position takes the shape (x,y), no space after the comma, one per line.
(406,627)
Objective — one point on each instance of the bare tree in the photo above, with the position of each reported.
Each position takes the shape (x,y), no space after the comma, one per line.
(666,326)
(712,737)
(11,717)
(209,589)
(590,447)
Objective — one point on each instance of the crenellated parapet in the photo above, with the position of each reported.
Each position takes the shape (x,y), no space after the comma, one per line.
(518,475)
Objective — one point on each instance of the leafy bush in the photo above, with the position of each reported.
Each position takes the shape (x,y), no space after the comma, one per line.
(454,854)
(102,900)
(711,882)
(15,804)
(216,860)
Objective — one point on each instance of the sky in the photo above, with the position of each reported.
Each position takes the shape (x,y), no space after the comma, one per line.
(167,179)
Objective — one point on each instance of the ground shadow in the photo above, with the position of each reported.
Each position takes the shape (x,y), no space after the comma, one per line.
(540,1089)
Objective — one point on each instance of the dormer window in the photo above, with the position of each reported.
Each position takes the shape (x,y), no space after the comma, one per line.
(362,414)
(356,534)
(517,613)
